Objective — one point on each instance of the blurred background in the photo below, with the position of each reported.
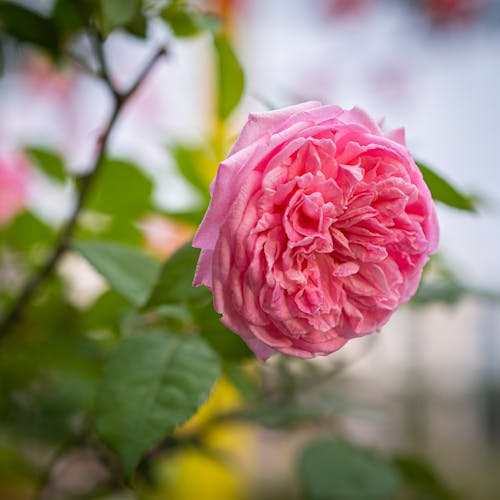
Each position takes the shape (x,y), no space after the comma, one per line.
(429,384)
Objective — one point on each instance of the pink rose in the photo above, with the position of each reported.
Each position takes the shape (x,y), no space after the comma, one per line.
(14,174)
(318,230)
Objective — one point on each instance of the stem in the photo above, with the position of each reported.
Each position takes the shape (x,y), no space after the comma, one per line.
(46,269)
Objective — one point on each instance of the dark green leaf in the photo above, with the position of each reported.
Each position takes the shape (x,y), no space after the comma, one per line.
(332,469)
(49,162)
(152,383)
(174,286)
(230,77)
(117,13)
(138,26)
(175,280)
(227,344)
(441,190)
(70,16)
(121,189)
(422,479)
(130,272)
(28,26)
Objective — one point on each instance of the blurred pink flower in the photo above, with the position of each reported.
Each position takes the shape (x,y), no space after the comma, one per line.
(164,236)
(348,7)
(451,11)
(14,179)
(318,229)
(41,74)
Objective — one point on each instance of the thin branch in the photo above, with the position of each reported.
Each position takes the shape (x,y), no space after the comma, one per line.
(62,244)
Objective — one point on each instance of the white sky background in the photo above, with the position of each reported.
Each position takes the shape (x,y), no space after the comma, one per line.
(443,87)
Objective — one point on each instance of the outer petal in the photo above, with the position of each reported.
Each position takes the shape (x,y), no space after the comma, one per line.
(261,125)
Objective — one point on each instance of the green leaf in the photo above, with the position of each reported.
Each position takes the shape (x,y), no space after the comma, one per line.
(26,231)
(423,479)
(191,217)
(331,469)
(106,312)
(28,26)
(130,272)
(153,382)
(49,162)
(230,77)
(175,280)
(242,381)
(117,13)
(225,342)
(191,163)
(138,26)
(70,16)
(121,189)
(175,286)
(441,190)
(183,23)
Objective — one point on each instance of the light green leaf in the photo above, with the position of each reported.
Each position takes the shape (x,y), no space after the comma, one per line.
(441,190)
(130,272)
(121,189)
(331,469)
(184,24)
(191,163)
(117,13)
(153,382)
(175,280)
(25,232)
(49,162)
(230,77)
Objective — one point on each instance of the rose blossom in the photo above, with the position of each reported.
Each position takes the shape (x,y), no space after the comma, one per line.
(318,229)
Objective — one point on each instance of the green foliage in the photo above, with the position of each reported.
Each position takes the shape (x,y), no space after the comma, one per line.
(441,285)
(71,16)
(49,162)
(331,469)
(48,371)
(27,26)
(421,480)
(153,382)
(229,345)
(444,192)
(175,280)
(117,13)
(174,286)
(130,272)
(192,164)
(121,189)
(183,23)
(26,233)
(230,77)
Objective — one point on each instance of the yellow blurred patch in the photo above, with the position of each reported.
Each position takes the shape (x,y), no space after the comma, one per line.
(217,473)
